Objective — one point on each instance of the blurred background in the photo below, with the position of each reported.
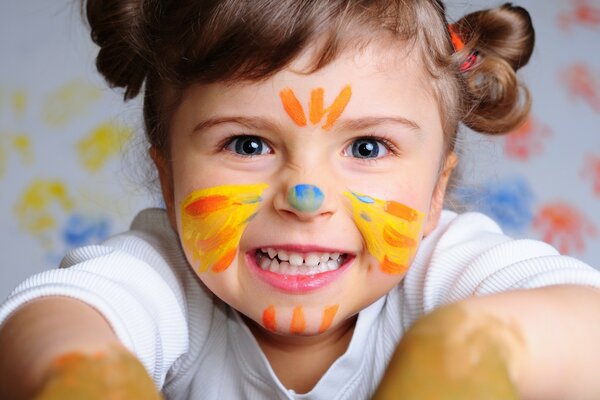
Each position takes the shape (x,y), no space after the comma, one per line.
(72,157)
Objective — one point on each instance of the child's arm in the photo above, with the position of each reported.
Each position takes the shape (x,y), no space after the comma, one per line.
(36,338)
(530,344)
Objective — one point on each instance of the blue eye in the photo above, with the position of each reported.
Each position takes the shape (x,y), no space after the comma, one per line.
(248,146)
(366,148)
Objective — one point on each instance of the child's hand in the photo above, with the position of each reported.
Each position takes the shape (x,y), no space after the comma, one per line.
(112,375)
(451,354)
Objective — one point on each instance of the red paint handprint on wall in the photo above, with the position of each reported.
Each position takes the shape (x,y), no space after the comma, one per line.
(582,83)
(591,170)
(564,227)
(582,13)
(527,140)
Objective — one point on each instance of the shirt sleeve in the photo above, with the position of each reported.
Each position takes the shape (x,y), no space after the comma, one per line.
(468,255)
(129,280)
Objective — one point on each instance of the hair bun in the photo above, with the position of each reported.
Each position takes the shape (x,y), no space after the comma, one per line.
(496,102)
(117,26)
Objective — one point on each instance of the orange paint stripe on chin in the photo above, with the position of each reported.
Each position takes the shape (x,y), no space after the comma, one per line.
(207,205)
(292,106)
(269,320)
(396,239)
(224,262)
(390,267)
(401,211)
(328,315)
(298,323)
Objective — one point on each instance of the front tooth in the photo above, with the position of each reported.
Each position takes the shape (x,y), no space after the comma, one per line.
(272,252)
(335,256)
(312,260)
(283,255)
(296,259)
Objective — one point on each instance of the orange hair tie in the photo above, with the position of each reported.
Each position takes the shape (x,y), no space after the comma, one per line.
(457,42)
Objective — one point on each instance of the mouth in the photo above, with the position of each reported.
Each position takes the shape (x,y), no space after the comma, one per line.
(298,270)
(285,262)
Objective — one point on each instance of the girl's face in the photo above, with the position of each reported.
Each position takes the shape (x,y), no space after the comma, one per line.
(301,199)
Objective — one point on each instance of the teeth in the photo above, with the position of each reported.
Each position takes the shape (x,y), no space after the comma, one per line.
(324,257)
(274,267)
(296,259)
(312,260)
(335,256)
(265,262)
(283,255)
(284,263)
(272,253)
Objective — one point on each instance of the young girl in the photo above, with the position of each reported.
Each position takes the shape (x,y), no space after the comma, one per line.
(304,149)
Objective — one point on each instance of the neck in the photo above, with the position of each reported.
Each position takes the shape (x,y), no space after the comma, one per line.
(300,361)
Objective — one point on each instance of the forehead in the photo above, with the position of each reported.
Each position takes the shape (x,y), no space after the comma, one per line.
(384,81)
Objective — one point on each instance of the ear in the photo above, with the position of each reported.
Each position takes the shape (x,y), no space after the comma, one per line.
(165,176)
(439,193)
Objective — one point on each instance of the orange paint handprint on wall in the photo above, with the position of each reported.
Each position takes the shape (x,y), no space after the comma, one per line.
(591,171)
(582,83)
(527,140)
(582,13)
(564,227)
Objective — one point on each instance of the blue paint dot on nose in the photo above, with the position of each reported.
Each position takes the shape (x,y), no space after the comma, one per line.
(305,198)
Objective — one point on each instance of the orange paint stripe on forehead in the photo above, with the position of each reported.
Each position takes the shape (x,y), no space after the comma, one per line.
(316,109)
(207,205)
(396,239)
(298,323)
(328,315)
(392,268)
(292,106)
(269,320)
(401,211)
(224,262)
(338,107)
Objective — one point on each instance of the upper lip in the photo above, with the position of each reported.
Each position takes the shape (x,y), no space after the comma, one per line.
(304,248)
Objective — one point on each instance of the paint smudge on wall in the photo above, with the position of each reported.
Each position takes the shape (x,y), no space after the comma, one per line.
(68,102)
(80,230)
(35,209)
(317,111)
(509,202)
(582,83)
(527,140)
(391,230)
(103,143)
(591,171)
(19,103)
(582,13)
(213,221)
(20,144)
(563,226)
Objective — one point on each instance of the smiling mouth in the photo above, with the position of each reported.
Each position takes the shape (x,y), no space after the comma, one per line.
(293,263)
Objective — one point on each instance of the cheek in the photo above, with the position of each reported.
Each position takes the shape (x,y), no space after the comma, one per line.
(213,221)
(391,231)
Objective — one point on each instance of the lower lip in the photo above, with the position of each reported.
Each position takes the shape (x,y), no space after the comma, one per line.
(297,284)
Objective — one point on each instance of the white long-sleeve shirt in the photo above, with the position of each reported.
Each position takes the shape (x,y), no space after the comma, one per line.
(197,347)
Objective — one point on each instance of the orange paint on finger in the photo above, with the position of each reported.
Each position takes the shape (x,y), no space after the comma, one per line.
(298,324)
(269,319)
(328,315)
(292,107)
(338,107)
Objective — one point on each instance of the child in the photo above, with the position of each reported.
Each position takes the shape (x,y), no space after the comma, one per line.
(304,149)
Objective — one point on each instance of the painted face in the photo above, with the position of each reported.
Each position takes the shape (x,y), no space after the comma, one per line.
(301,199)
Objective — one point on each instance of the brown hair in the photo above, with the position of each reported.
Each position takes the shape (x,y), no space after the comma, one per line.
(167,45)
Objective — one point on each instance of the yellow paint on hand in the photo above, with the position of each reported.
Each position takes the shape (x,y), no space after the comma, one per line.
(213,221)
(34,207)
(104,142)
(391,237)
(68,102)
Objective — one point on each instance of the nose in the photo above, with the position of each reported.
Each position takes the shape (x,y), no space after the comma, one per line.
(304,202)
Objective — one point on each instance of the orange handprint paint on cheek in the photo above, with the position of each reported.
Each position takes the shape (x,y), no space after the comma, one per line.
(213,221)
(317,110)
(390,229)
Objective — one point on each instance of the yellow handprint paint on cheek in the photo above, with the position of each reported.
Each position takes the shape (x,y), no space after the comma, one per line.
(213,221)
(390,229)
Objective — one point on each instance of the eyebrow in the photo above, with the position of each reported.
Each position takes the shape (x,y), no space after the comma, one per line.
(259,123)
